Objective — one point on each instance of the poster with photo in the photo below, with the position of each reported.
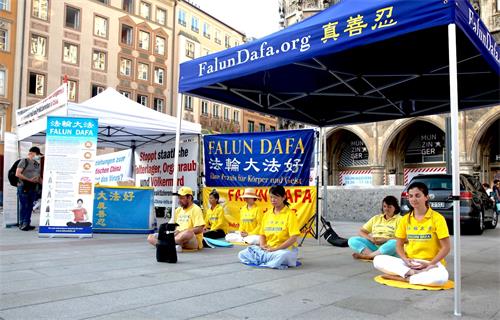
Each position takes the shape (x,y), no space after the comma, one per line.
(68,177)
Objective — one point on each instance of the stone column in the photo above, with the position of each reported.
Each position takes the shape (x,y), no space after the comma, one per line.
(378,173)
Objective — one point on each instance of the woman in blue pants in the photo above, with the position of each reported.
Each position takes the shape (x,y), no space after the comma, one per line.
(377,235)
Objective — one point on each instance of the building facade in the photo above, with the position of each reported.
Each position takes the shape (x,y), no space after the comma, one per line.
(199,34)
(392,152)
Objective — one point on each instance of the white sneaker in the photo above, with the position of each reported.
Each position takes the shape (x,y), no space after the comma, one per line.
(178,248)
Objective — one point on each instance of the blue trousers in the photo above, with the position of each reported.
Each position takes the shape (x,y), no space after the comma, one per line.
(358,244)
(26,199)
(280,259)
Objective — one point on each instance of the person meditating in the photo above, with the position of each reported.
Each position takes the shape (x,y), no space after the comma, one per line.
(427,244)
(278,236)
(377,235)
(215,222)
(250,219)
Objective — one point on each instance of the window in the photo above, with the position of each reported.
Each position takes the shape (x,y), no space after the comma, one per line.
(206,30)
(126,94)
(142,71)
(188,103)
(72,18)
(217,37)
(215,110)
(194,24)
(236,116)
(4,5)
(37,84)
(70,53)
(145,10)
(144,40)
(160,45)
(104,1)
(182,18)
(128,5)
(236,43)
(72,85)
(4,39)
(159,76)
(206,52)
(226,41)
(41,9)
(204,107)
(189,49)
(96,89)
(127,34)
(142,99)
(226,114)
(2,83)
(100,27)
(272,128)
(262,127)
(158,104)
(251,126)
(99,60)
(161,16)
(38,45)
(125,67)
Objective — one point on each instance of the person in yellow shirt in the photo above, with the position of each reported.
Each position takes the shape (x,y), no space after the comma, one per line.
(250,219)
(189,217)
(427,244)
(215,222)
(377,235)
(278,236)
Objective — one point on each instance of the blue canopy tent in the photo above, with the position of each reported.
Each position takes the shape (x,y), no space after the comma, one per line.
(362,61)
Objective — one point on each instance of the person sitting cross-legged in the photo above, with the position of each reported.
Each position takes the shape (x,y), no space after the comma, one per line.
(377,235)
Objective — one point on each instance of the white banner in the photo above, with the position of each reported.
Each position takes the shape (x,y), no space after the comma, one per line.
(113,167)
(154,167)
(9,192)
(53,101)
(355,177)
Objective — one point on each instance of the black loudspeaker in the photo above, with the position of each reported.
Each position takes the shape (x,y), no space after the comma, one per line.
(165,249)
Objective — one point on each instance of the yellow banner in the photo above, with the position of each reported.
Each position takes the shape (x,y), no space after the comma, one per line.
(302,201)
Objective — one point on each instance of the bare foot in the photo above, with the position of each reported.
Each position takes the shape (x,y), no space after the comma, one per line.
(152,239)
(356,255)
(393,277)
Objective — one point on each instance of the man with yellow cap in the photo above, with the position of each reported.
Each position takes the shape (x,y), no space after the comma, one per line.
(189,217)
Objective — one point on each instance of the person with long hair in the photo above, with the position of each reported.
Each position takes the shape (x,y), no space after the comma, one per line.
(422,259)
(377,235)
(215,222)
(278,236)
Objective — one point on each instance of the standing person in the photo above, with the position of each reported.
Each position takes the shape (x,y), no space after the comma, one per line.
(377,235)
(428,243)
(215,222)
(29,174)
(250,218)
(189,217)
(278,236)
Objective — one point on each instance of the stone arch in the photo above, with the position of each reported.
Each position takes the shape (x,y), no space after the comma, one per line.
(358,132)
(480,129)
(399,125)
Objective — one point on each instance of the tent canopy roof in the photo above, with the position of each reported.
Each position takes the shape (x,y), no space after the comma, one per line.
(358,61)
(123,123)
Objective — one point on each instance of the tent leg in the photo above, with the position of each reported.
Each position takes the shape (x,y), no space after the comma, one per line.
(324,174)
(452,50)
(176,158)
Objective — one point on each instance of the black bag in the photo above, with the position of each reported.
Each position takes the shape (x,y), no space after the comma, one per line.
(165,248)
(13,180)
(332,237)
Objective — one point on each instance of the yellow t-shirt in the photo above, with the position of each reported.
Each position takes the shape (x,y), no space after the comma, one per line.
(423,236)
(190,218)
(250,220)
(215,220)
(379,227)
(279,227)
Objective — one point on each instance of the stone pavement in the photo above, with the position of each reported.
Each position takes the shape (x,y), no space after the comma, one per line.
(117,277)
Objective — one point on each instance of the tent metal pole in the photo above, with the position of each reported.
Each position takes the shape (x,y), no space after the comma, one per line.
(324,168)
(176,158)
(452,51)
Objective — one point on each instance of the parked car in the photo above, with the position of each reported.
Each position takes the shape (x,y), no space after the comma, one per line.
(477,211)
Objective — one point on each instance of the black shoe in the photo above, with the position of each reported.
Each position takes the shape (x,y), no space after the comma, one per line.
(31,227)
(27,227)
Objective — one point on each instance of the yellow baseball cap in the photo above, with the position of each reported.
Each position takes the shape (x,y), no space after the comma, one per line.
(184,191)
